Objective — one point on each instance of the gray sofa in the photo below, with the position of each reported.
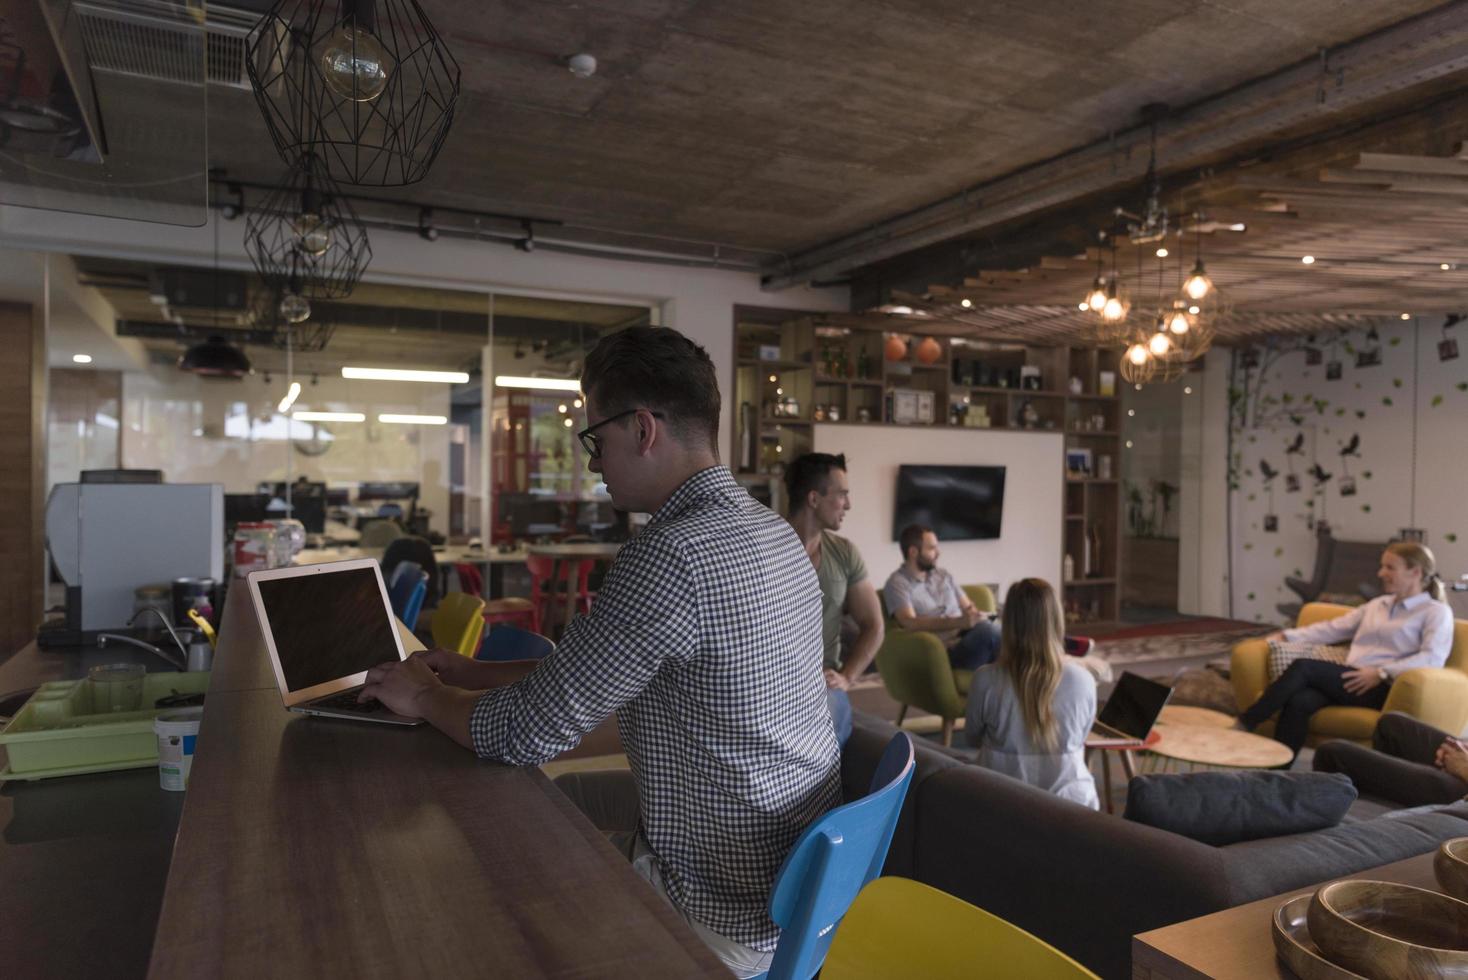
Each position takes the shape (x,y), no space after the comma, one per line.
(1087,882)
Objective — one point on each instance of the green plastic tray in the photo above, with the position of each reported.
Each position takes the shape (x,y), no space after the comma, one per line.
(56,733)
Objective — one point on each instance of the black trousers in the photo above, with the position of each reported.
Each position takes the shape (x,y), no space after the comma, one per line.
(1401,765)
(1303,689)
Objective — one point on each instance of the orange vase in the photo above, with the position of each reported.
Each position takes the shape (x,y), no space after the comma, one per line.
(896,348)
(929,351)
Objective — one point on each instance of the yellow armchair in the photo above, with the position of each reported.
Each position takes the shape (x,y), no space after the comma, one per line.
(1435,695)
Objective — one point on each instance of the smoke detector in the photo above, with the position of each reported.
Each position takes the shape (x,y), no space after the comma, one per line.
(582,65)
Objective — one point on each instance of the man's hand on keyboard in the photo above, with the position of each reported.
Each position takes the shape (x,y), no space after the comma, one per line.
(403,687)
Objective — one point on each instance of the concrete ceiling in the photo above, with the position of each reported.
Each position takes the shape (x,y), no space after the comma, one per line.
(772,127)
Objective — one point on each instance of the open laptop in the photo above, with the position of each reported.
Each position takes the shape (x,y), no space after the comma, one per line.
(325,626)
(1130,712)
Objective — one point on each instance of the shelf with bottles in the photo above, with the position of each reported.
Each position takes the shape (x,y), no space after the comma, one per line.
(841,354)
(1085,416)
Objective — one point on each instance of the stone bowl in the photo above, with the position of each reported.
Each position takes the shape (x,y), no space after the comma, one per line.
(1451,867)
(1382,929)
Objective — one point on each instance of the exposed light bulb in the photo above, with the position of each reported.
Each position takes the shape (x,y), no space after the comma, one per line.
(1308,259)
(294,307)
(568,423)
(1083,307)
(968,303)
(1444,266)
(1159,344)
(313,235)
(1406,316)
(1193,310)
(353,63)
(561,408)
(1162,253)
(1198,283)
(1096,299)
(1188,390)
(1129,442)
(1113,310)
(576,403)
(1137,354)
(1179,324)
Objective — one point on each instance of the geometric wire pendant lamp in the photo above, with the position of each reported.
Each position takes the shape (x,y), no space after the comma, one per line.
(366,85)
(304,238)
(280,330)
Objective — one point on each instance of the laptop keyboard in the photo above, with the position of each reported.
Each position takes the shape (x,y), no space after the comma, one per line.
(347,701)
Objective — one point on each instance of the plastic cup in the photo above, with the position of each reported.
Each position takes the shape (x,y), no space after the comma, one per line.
(116,687)
(177,731)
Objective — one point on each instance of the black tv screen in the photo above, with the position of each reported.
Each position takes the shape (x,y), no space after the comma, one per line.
(960,503)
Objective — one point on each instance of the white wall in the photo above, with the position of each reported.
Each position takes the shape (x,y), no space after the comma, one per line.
(1409,413)
(1203,501)
(1030,540)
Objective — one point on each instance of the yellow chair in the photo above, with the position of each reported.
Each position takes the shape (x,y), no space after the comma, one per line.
(1435,695)
(899,928)
(916,671)
(458,623)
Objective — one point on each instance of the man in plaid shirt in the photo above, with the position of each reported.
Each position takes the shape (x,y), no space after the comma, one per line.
(705,639)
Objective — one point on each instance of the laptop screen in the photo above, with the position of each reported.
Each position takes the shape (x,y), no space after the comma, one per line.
(1134,705)
(327,626)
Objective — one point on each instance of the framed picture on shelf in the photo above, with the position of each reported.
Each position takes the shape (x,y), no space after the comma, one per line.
(1107,387)
(1078,463)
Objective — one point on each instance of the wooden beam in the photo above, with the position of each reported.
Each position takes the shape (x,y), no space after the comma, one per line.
(22,473)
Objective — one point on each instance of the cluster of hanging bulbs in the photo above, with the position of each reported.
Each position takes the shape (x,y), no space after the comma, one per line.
(1178,334)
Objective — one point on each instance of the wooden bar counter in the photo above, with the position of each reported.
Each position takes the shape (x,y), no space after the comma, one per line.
(313,847)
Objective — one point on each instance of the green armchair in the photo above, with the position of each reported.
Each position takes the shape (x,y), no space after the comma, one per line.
(914,668)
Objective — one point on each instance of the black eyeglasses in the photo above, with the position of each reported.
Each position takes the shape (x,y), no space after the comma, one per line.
(592,443)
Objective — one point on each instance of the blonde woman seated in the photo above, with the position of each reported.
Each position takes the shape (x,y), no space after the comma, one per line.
(1030,710)
(1410,626)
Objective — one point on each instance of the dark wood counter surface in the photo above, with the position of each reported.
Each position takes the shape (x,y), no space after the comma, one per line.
(315,847)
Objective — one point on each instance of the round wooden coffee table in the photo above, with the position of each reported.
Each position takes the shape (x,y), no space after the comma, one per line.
(1179,714)
(1216,748)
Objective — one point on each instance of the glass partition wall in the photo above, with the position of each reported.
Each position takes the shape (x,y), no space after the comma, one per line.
(451,413)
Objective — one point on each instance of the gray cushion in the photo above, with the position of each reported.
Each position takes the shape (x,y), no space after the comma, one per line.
(1222,808)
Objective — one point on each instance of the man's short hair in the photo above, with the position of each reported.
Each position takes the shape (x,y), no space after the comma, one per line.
(659,369)
(912,537)
(810,472)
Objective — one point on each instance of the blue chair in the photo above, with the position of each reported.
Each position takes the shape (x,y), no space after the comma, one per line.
(406,592)
(512,643)
(831,862)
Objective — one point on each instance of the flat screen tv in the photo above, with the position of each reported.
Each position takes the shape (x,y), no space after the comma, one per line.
(960,503)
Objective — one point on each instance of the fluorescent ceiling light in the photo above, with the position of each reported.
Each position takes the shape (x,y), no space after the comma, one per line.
(413,419)
(399,374)
(544,384)
(329,416)
(290,398)
(81,358)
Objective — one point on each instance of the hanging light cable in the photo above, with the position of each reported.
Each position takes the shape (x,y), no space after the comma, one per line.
(1198,284)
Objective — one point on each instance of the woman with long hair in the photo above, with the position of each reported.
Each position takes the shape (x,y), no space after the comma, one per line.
(1030,710)
(1409,626)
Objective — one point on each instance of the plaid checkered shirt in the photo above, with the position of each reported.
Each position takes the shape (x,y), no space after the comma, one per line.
(705,639)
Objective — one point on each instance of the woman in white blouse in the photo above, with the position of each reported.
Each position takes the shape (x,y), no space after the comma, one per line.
(1410,626)
(1030,710)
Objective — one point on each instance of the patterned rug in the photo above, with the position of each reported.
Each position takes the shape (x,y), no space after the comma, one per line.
(1143,649)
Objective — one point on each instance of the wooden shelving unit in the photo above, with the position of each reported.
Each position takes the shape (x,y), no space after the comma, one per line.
(793,371)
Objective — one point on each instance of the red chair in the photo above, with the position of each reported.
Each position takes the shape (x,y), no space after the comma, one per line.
(470,580)
(514,612)
(544,594)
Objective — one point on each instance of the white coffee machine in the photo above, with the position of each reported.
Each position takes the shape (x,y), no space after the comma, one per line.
(107,539)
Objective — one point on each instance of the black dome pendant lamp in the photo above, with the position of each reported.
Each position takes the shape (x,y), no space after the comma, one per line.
(215,358)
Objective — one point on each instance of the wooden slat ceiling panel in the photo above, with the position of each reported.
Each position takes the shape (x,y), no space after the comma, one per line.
(1378,234)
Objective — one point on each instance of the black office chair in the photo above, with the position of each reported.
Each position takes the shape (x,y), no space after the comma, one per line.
(414,550)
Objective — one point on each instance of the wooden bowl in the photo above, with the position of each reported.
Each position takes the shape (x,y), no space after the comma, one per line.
(1451,867)
(1293,944)
(1381,929)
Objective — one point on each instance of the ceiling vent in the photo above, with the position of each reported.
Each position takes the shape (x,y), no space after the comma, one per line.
(160,40)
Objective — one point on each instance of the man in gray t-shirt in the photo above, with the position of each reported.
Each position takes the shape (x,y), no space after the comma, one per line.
(922,596)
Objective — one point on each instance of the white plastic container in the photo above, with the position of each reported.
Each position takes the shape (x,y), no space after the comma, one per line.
(177,731)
